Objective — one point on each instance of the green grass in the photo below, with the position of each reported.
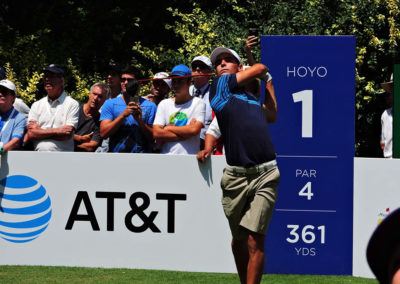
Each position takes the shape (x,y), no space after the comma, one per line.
(57,274)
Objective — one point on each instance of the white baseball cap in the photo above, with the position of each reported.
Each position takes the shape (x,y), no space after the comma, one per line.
(161,75)
(220,50)
(9,85)
(203,59)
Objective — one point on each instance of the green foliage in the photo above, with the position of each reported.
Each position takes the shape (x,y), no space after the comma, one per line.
(82,84)
(27,94)
(196,30)
(130,32)
(375,23)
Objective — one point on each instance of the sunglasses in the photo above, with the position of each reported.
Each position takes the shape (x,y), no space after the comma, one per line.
(5,92)
(126,79)
(199,65)
(159,83)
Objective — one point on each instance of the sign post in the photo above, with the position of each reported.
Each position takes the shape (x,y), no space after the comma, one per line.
(314,80)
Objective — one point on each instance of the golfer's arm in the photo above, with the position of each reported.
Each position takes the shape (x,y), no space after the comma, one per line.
(270,105)
(256,71)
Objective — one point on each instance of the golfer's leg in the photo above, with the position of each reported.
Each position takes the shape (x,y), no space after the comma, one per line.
(255,267)
(241,255)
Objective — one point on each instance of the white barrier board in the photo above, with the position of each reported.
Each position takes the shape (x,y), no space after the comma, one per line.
(376,194)
(113,210)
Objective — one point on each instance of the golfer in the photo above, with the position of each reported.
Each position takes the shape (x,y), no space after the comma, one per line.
(250,181)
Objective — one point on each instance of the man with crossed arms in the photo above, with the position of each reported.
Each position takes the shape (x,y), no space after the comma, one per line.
(54,118)
(250,181)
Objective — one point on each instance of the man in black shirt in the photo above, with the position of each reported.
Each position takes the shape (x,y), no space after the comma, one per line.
(87,136)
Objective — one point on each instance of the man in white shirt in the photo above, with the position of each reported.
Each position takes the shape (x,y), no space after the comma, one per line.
(53,119)
(179,120)
(201,88)
(387,121)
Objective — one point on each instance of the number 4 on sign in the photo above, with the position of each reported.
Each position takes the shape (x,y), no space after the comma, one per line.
(306,191)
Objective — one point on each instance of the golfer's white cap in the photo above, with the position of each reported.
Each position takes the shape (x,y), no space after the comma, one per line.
(220,50)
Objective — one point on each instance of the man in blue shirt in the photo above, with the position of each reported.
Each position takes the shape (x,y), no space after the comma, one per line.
(12,123)
(127,123)
(250,181)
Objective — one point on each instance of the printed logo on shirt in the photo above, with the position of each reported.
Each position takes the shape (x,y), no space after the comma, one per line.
(382,215)
(178,119)
(25,209)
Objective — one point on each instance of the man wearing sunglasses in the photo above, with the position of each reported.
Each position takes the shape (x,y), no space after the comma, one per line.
(201,65)
(12,123)
(113,80)
(128,119)
(250,181)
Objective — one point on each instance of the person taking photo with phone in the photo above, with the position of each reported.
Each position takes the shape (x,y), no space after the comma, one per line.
(128,119)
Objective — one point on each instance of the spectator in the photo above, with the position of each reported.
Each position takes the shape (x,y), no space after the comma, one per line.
(159,88)
(213,142)
(21,107)
(113,79)
(201,88)
(12,123)
(127,123)
(87,136)
(179,120)
(387,121)
(53,119)
(19,104)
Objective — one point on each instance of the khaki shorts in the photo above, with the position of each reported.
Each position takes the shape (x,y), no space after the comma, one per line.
(248,200)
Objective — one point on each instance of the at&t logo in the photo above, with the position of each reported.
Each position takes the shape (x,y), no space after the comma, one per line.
(25,209)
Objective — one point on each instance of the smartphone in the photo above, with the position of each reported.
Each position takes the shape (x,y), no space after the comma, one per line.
(253,32)
(135,99)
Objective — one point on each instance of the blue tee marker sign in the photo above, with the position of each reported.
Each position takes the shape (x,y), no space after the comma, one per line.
(314,80)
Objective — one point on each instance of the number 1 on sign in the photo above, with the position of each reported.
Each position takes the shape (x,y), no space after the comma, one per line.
(306,191)
(306,97)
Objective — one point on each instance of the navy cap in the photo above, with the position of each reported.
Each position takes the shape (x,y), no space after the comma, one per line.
(55,68)
(181,70)
(113,68)
(2,73)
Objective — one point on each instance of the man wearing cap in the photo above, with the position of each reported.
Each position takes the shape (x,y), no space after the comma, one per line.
(19,104)
(53,119)
(179,120)
(128,123)
(87,136)
(387,121)
(201,87)
(113,80)
(159,88)
(250,181)
(12,123)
